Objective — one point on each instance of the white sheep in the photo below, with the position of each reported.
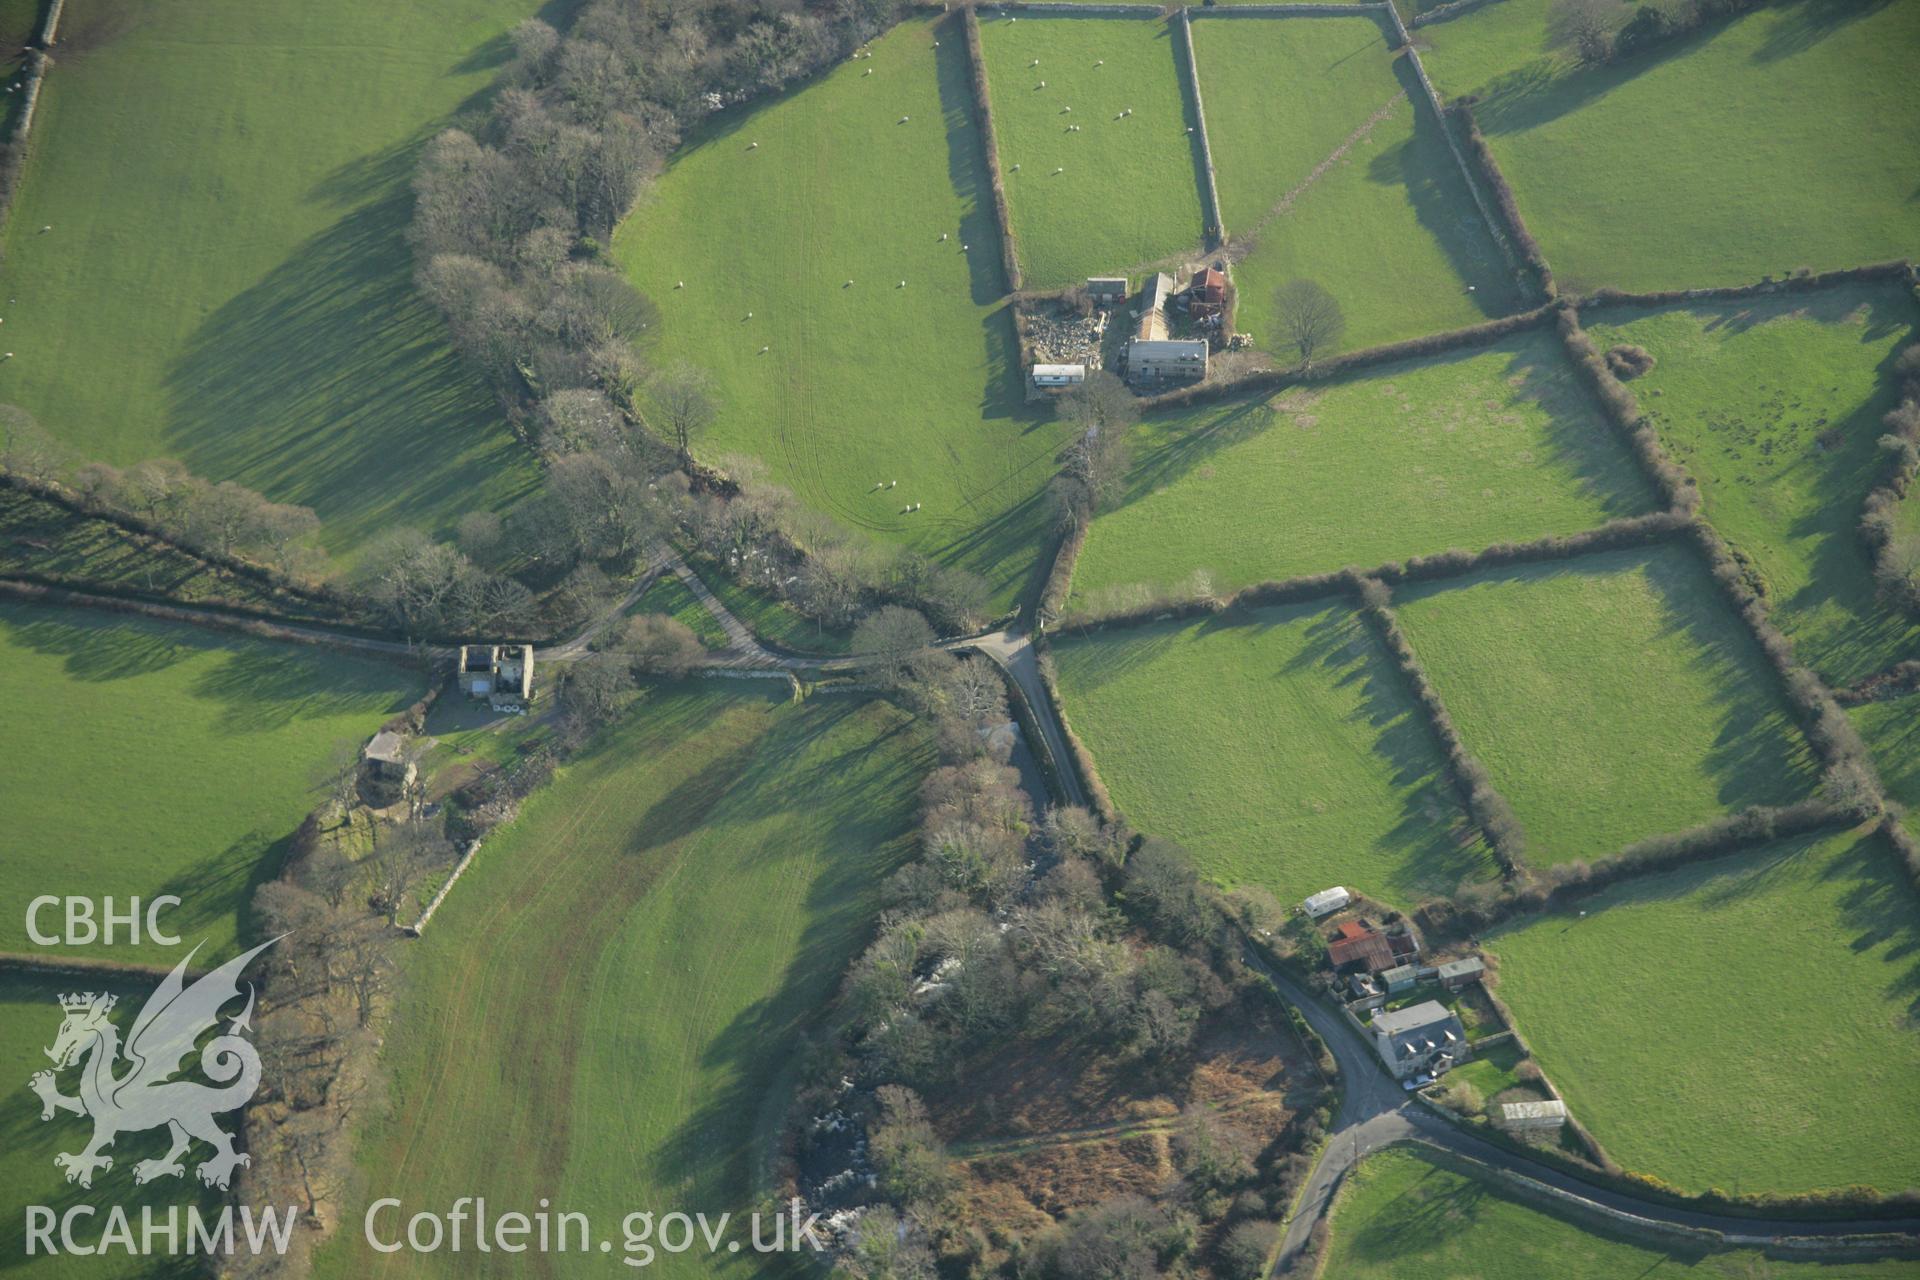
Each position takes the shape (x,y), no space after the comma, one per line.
(1034,63)
(753,146)
(680,284)
(1016,168)
(901,285)
(965,247)
(764,350)
(749,315)
(1057,172)
(904,119)
(893,484)
(1100,63)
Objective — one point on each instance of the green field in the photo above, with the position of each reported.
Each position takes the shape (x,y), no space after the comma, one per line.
(614,992)
(868,383)
(1744,1023)
(1389,227)
(29,1020)
(1128,193)
(1783,138)
(1774,407)
(1465,450)
(1612,697)
(226,279)
(1404,1213)
(164,759)
(1278,745)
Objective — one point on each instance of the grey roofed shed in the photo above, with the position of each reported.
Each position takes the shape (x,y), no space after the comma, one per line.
(385,747)
(1457,973)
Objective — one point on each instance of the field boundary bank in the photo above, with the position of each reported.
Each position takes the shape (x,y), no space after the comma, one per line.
(1532,257)
(86,966)
(1215,232)
(1616,535)
(1484,803)
(19,139)
(1493,225)
(239,566)
(1335,367)
(324,637)
(1446,12)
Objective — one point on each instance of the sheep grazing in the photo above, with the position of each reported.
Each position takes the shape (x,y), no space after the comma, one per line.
(867,72)
(1016,168)
(916,506)
(749,315)
(904,119)
(46,228)
(1034,63)
(1059,171)
(847,285)
(753,146)
(943,237)
(901,285)
(680,284)
(764,350)
(1043,84)
(893,484)
(1100,62)
(1066,111)
(965,247)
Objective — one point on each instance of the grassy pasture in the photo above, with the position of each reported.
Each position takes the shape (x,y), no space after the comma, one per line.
(1464,450)
(1389,227)
(1774,407)
(226,278)
(164,759)
(1892,731)
(674,598)
(1741,1023)
(866,383)
(1404,1213)
(29,1020)
(1129,190)
(1278,745)
(1612,697)
(618,984)
(1780,139)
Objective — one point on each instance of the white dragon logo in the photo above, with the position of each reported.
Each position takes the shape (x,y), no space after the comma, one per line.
(170,1024)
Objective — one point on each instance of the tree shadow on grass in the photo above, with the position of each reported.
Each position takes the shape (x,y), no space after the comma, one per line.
(1880,913)
(1423,167)
(1431,847)
(331,384)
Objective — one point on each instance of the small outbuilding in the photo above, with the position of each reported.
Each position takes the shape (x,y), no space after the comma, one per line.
(1399,978)
(1207,293)
(1536,1116)
(1059,375)
(1356,945)
(1326,901)
(1455,974)
(1107,291)
(386,770)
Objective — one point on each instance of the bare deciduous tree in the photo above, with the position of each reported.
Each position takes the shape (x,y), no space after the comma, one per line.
(1586,28)
(682,398)
(1310,317)
(662,645)
(888,639)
